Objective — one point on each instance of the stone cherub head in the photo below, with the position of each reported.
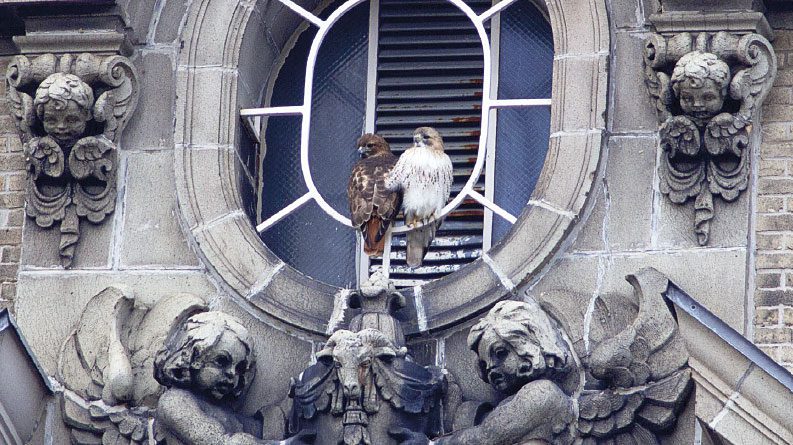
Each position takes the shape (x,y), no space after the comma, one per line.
(517,343)
(211,354)
(700,81)
(63,103)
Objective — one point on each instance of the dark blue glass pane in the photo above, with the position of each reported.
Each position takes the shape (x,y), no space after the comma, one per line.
(525,72)
(309,240)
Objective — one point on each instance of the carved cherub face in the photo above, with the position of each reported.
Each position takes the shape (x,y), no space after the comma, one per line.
(219,367)
(211,354)
(702,100)
(517,343)
(700,82)
(63,104)
(500,363)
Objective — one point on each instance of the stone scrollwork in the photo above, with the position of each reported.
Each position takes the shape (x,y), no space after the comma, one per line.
(70,111)
(707,90)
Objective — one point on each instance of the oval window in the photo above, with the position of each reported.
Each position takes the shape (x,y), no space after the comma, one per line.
(390,66)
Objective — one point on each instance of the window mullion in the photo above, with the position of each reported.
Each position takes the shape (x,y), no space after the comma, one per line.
(361,259)
(490,154)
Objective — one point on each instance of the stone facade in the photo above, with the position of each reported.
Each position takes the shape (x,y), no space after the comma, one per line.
(772,295)
(597,215)
(13,198)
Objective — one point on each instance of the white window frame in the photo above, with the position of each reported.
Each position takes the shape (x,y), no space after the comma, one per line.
(486,149)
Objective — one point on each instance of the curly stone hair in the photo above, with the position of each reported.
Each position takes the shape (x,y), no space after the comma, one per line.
(698,66)
(61,88)
(181,353)
(529,330)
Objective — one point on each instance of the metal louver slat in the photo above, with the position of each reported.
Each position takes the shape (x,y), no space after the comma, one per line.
(429,73)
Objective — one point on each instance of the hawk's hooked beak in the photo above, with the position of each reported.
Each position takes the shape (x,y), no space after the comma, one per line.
(362,150)
(418,139)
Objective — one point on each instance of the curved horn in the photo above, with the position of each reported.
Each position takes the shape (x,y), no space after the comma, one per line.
(334,339)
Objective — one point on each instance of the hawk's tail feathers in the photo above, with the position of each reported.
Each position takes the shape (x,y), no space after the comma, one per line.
(418,242)
(374,236)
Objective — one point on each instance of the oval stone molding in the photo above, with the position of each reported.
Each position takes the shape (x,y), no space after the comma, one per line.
(213,72)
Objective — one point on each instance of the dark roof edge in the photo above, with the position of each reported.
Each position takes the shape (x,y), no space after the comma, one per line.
(5,319)
(687,304)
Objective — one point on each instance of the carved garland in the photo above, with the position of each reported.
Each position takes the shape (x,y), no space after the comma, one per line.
(707,90)
(70,111)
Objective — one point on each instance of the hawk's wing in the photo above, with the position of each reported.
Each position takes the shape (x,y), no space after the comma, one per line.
(446,176)
(367,190)
(359,192)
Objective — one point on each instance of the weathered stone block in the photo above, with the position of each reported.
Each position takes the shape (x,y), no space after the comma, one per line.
(579,85)
(93,250)
(629,183)
(207,172)
(244,259)
(152,234)
(633,13)
(152,126)
(727,229)
(633,111)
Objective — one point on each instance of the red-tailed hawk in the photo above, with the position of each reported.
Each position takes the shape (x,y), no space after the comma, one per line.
(372,205)
(424,174)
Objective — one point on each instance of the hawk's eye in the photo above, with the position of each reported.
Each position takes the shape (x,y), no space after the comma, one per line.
(370,145)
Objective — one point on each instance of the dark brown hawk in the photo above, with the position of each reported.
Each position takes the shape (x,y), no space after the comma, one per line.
(372,206)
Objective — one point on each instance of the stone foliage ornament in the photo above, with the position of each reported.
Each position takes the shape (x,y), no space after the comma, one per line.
(707,90)
(70,111)
(629,388)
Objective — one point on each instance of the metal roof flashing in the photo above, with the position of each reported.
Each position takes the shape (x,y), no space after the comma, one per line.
(681,300)
(6,321)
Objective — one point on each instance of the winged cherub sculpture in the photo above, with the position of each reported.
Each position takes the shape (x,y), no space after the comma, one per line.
(628,389)
(706,90)
(69,112)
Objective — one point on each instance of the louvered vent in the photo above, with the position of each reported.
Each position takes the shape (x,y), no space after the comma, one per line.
(429,73)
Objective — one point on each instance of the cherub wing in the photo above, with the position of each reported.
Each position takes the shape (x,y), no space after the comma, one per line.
(657,83)
(98,424)
(94,157)
(44,157)
(727,140)
(21,108)
(681,174)
(644,370)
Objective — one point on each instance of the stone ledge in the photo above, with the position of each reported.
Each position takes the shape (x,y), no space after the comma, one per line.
(697,21)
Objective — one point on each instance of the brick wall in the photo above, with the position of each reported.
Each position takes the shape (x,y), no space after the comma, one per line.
(774,230)
(12,198)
